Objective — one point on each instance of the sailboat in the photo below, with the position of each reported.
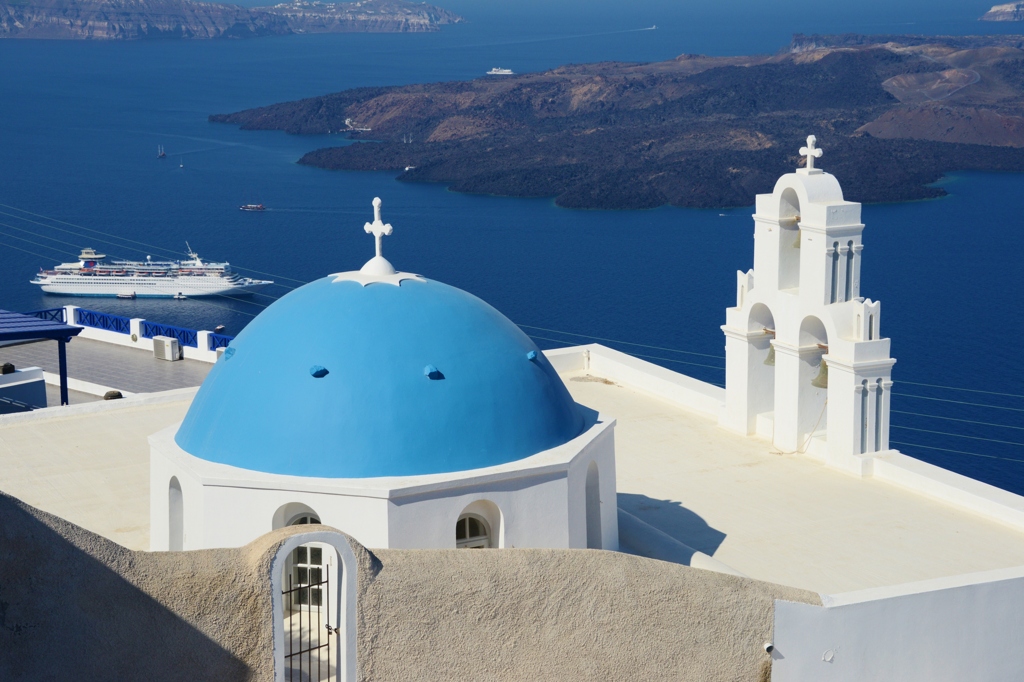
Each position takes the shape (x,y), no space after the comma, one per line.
(160,154)
(181,163)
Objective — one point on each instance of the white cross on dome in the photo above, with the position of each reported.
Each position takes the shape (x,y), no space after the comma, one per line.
(378,269)
(378,228)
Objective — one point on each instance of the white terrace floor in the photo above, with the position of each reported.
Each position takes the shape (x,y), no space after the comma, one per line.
(782,518)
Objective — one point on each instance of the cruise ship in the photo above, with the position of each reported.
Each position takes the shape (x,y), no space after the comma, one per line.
(92,275)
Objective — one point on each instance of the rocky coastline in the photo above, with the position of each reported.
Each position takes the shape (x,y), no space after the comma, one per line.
(694,131)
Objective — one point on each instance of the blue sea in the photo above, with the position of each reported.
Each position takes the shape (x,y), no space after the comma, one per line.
(80,123)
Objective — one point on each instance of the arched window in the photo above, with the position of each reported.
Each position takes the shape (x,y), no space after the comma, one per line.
(472,532)
(593,507)
(175,517)
(789,240)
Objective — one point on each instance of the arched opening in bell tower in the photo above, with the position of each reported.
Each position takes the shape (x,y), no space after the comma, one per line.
(812,397)
(789,240)
(761,360)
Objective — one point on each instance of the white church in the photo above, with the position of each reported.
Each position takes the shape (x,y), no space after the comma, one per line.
(644,524)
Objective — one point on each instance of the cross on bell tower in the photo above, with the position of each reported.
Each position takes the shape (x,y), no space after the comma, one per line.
(812,153)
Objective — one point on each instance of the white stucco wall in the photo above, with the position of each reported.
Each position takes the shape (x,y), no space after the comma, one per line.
(533,514)
(540,501)
(966,627)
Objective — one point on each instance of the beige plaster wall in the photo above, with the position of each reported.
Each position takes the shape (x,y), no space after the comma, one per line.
(74,605)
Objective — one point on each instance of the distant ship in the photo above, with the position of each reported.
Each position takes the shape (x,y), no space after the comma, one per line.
(91,275)
(160,154)
(499,72)
(252,207)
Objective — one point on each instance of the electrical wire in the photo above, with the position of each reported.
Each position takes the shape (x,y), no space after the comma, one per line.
(10,246)
(954,419)
(627,343)
(957,435)
(45,246)
(60,241)
(954,388)
(959,452)
(958,402)
(115,240)
(667,359)
(152,248)
(233,298)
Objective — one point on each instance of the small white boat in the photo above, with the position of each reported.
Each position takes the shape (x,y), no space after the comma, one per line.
(126,296)
(180,296)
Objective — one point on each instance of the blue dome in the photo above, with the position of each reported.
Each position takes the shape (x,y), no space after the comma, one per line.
(340,380)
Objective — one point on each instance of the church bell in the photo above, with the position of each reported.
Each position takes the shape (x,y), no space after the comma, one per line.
(770,360)
(821,381)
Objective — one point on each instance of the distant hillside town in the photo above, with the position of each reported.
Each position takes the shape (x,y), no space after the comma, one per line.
(184,19)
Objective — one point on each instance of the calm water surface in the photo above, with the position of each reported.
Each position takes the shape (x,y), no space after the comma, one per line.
(81,122)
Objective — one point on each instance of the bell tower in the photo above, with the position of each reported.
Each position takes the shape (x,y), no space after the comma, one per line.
(805,363)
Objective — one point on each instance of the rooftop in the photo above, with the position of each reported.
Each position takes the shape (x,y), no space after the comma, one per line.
(109,365)
(787,519)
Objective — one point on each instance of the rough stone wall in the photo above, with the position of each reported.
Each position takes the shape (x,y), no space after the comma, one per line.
(561,615)
(74,605)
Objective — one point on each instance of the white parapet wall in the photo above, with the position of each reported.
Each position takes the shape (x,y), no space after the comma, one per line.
(672,387)
(967,627)
(20,388)
(134,338)
(887,465)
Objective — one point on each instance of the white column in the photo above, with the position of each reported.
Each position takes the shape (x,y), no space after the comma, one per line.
(860,418)
(844,253)
(830,292)
(855,286)
(135,327)
(886,392)
(873,399)
(787,397)
(736,416)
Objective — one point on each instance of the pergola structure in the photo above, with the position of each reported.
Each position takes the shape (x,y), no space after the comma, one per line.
(19,328)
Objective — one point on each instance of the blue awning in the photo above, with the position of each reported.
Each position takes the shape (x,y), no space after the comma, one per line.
(21,327)
(15,327)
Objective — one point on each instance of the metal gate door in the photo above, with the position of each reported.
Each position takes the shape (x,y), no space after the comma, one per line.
(307,619)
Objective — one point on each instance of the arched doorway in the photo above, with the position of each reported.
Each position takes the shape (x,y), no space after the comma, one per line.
(175,516)
(316,644)
(593,496)
(306,586)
